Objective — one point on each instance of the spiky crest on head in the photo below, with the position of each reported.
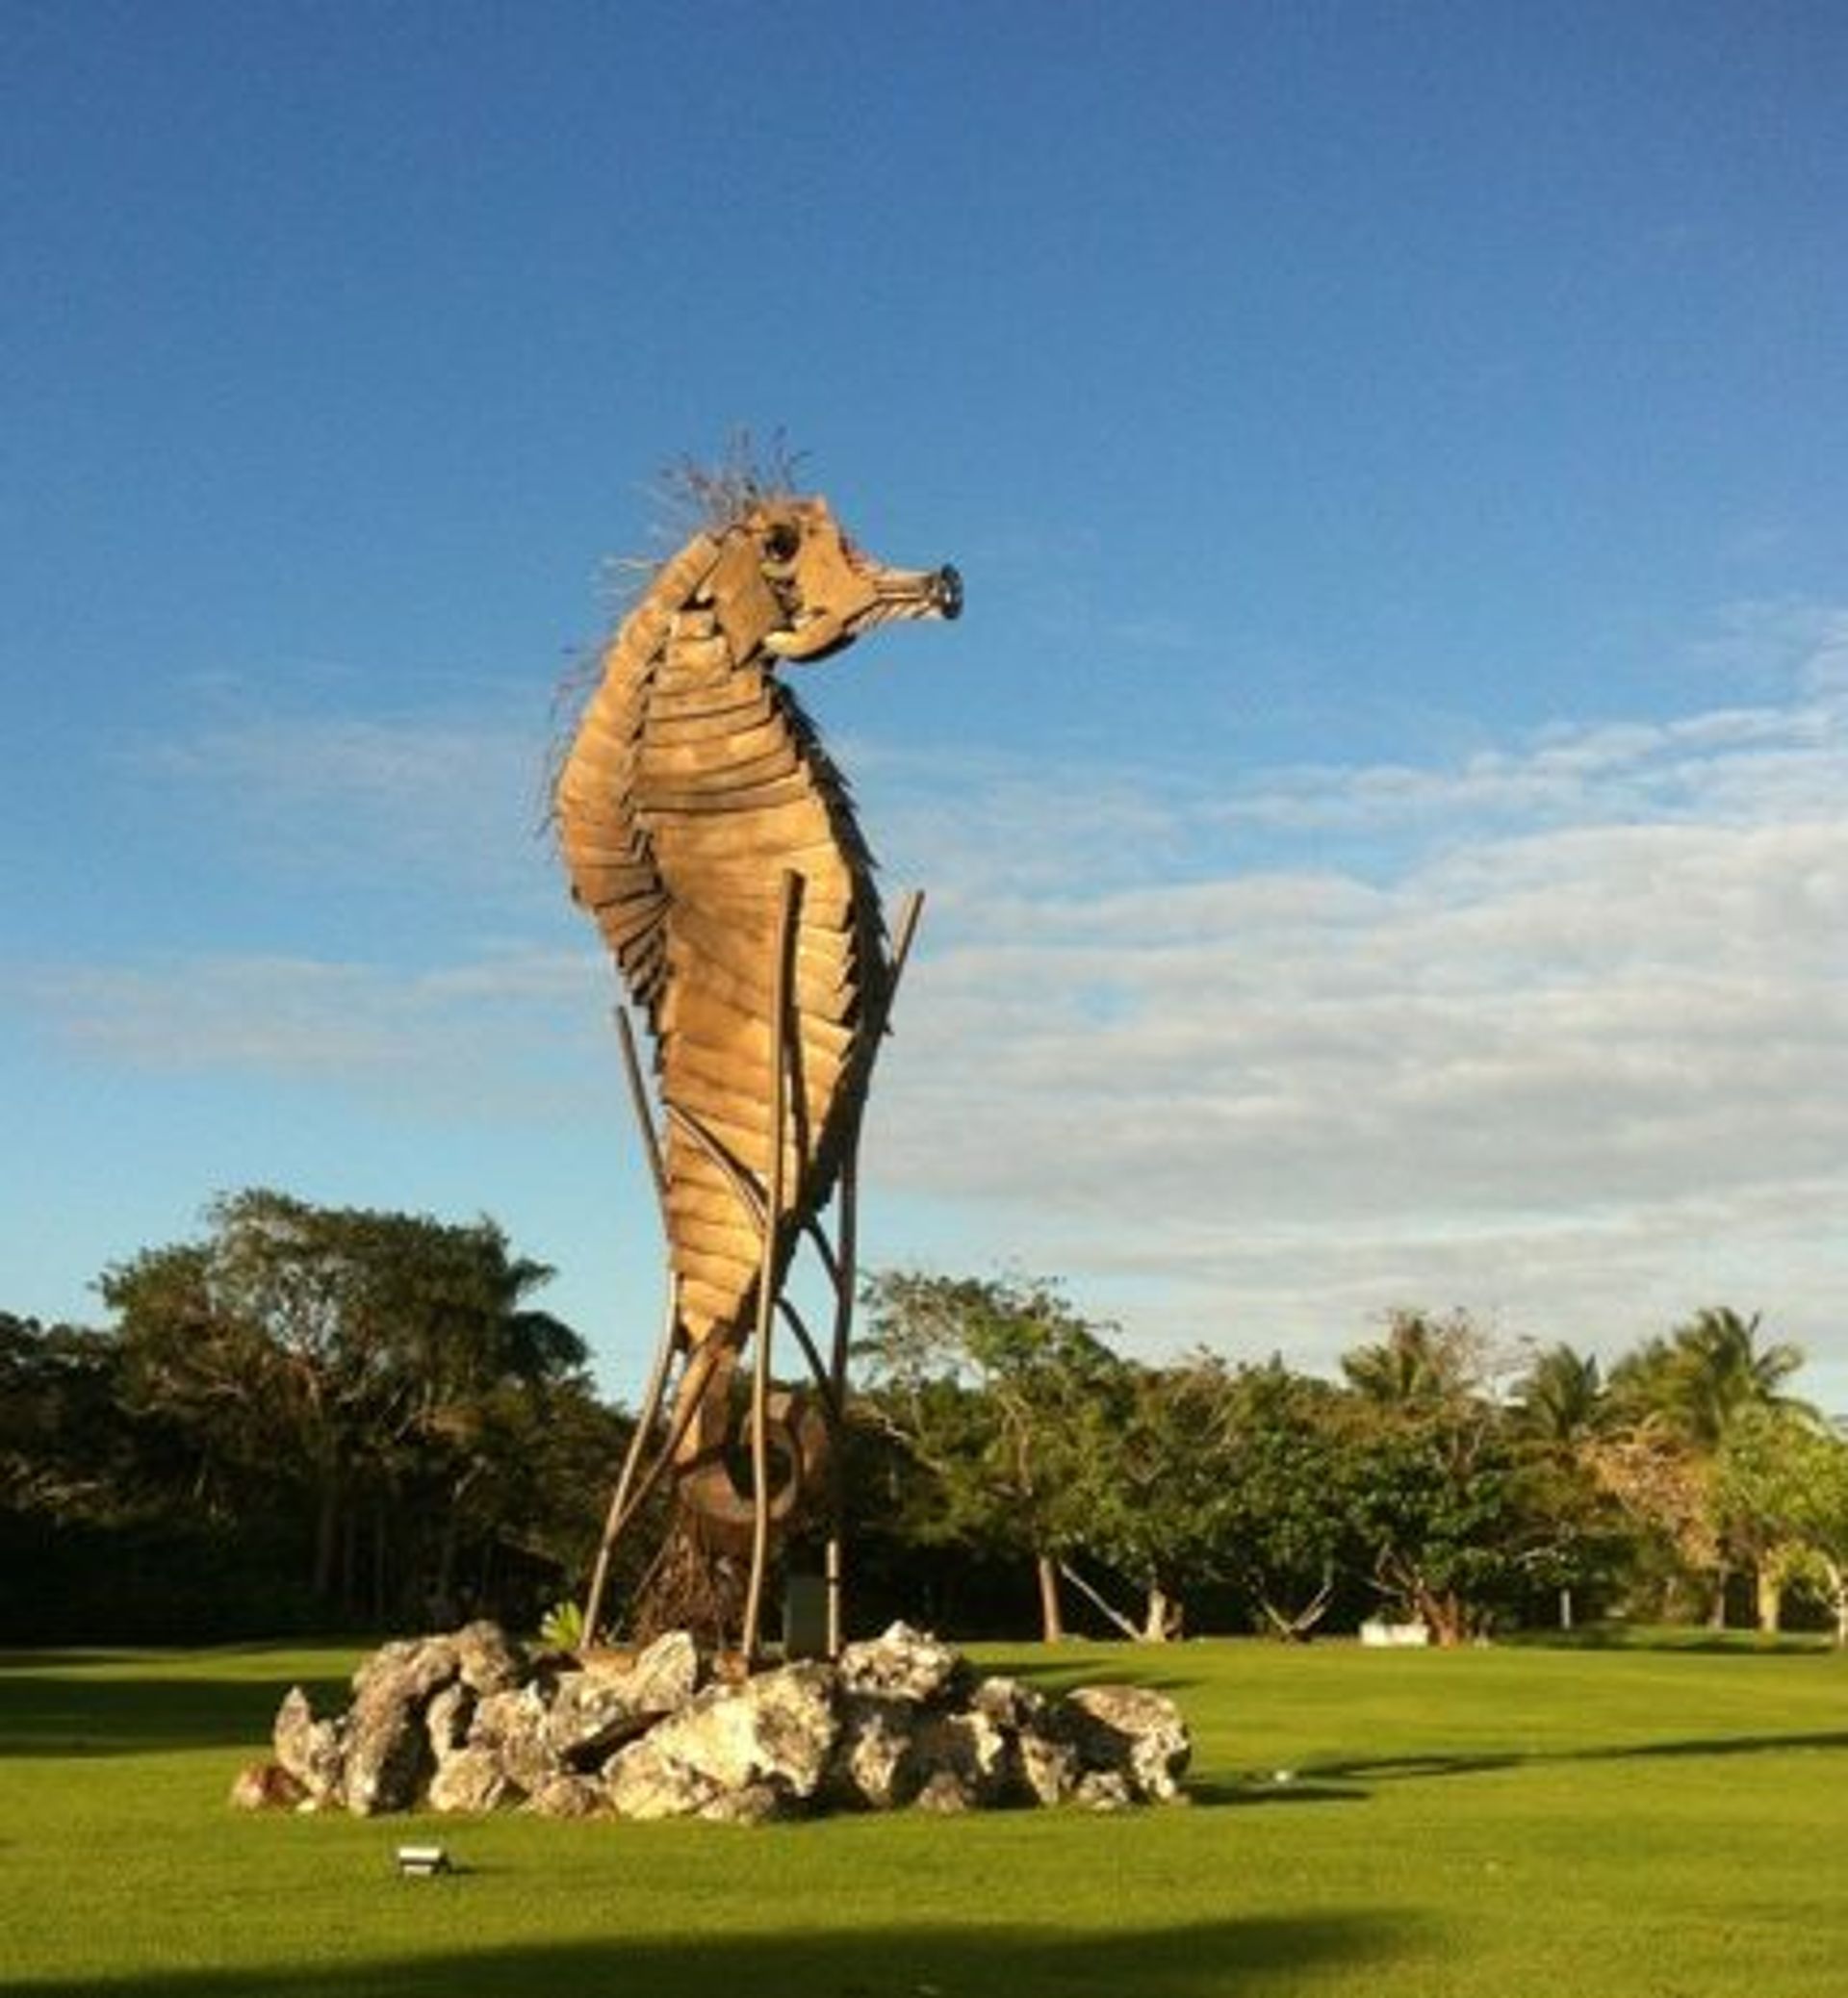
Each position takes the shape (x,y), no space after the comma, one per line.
(723,494)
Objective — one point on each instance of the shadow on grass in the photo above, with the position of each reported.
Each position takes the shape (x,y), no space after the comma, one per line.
(36,1660)
(1396,1768)
(1056,1672)
(1311,1788)
(53,1713)
(1192,1961)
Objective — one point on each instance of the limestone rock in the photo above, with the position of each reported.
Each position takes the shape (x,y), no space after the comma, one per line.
(1040,1768)
(1128,1731)
(265,1786)
(610,1701)
(465,1723)
(664,1675)
(1047,1770)
(643,1782)
(944,1793)
(447,1720)
(757,1803)
(486,1661)
(904,1664)
(1012,1706)
(469,1779)
(386,1762)
(388,1756)
(1103,1789)
(408,1670)
(776,1727)
(588,1718)
(871,1767)
(513,1725)
(569,1797)
(960,1762)
(311,1752)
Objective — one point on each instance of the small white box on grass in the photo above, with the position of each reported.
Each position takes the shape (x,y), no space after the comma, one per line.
(420,1861)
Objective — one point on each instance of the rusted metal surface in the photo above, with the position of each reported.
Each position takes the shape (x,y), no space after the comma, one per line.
(713,842)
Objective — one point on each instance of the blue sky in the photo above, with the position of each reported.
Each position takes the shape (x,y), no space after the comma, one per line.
(1382,811)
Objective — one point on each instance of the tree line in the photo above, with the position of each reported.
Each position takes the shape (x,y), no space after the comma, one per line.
(315,1417)
(1439,1480)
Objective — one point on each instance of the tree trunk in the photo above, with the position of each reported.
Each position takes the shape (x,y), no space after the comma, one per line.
(1565,1609)
(1837,1576)
(1162,1619)
(1447,1617)
(1293,1626)
(1770,1601)
(1099,1602)
(1052,1625)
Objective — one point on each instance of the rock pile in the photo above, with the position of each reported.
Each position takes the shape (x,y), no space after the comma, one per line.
(465,1723)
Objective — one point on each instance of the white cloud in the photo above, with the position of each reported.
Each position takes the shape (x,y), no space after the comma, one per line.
(1578,1049)
(494,1035)
(1556,1031)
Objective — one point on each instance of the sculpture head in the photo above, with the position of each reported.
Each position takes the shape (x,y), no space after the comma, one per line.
(792,578)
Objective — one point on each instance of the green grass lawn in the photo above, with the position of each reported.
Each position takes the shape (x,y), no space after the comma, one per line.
(1582,1824)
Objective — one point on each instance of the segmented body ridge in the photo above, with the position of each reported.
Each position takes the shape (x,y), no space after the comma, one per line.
(694,785)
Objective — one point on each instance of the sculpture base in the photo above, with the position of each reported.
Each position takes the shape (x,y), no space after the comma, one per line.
(465,1723)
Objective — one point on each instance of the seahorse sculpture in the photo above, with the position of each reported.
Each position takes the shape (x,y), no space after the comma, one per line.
(704,829)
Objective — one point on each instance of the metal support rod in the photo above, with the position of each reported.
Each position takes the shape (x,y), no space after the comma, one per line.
(838,1259)
(633,1486)
(834,1590)
(650,1411)
(833,1556)
(644,1112)
(823,1379)
(734,1175)
(780,980)
(904,933)
(843,1270)
(699,1367)
(847,1235)
(646,1417)
(816,1238)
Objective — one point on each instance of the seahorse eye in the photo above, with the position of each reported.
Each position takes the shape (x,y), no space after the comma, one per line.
(780,541)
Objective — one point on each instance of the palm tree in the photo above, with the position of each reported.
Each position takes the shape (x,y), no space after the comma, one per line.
(1694,1388)
(1699,1381)
(1560,1398)
(1723,1372)
(1423,1364)
(1559,1408)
